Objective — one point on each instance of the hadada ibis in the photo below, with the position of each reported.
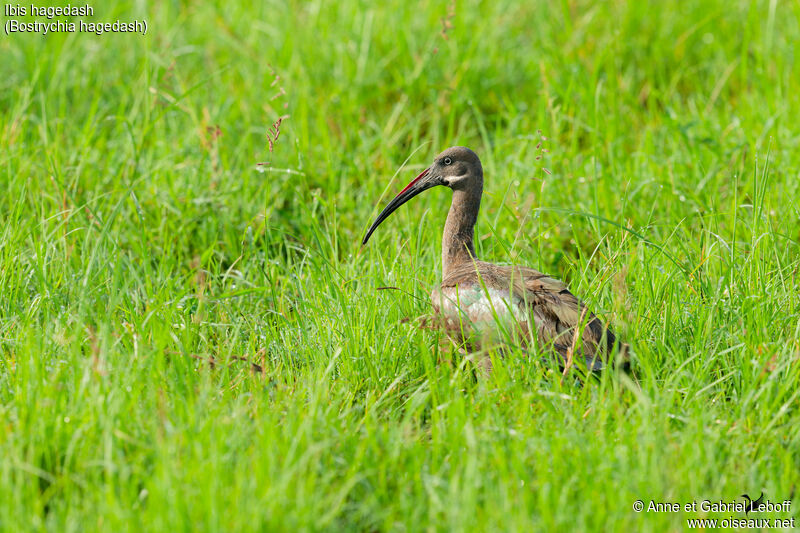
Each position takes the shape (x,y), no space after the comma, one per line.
(482,306)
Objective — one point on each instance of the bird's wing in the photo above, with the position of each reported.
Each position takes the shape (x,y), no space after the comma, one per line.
(557,312)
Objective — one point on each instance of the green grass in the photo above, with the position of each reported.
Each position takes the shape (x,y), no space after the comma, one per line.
(136,246)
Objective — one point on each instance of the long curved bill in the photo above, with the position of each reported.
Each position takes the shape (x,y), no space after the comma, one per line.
(421,183)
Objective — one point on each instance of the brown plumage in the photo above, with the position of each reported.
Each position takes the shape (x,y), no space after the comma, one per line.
(482,306)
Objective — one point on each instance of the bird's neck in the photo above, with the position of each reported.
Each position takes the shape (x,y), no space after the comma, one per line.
(458,239)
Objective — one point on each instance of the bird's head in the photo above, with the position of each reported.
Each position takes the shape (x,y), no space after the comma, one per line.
(457,168)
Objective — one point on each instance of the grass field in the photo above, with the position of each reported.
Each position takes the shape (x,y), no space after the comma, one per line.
(147,263)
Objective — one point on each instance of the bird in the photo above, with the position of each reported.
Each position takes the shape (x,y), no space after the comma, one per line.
(483,306)
(751,503)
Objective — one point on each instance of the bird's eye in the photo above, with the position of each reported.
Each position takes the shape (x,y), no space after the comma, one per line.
(447,161)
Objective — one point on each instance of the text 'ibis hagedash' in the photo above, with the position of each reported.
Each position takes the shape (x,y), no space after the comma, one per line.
(483,306)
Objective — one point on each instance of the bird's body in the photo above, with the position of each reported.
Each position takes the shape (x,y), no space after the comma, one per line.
(482,306)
